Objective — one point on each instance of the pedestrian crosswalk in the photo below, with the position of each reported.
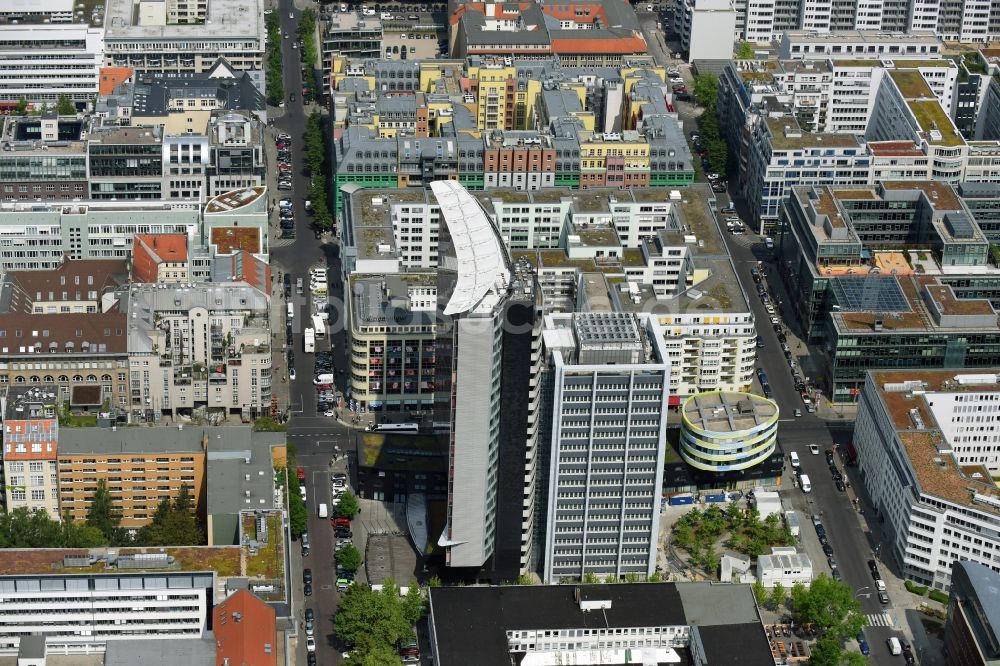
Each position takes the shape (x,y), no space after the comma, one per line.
(282,242)
(882,619)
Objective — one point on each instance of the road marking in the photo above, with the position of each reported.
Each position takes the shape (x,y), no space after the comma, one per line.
(882,619)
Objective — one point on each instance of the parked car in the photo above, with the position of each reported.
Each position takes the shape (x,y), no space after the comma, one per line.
(863,644)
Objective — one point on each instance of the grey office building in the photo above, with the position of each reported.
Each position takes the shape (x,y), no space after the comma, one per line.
(610,378)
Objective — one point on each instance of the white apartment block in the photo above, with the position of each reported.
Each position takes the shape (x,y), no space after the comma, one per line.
(200,346)
(42,62)
(140,34)
(795,44)
(703,27)
(927,446)
(79,613)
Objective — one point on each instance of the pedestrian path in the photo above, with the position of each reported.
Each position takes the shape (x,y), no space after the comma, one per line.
(882,619)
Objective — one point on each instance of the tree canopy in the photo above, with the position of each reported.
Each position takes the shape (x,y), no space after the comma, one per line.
(174,523)
(348,507)
(350,558)
(830,605)
(367,619)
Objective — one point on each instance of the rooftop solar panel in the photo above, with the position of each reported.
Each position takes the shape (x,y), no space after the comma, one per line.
(872,293)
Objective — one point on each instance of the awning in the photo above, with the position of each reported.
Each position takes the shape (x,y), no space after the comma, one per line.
(674,401)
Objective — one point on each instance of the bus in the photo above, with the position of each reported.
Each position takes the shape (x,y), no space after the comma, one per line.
(320,325)
(395,427)
(309,340)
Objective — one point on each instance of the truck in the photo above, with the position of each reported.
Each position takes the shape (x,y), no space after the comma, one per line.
(309,340)
(323,511)
(319,324)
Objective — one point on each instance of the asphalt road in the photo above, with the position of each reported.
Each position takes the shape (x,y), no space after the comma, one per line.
(846,530)
(314,436)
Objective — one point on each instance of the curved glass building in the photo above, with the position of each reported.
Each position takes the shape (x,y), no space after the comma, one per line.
(722,431)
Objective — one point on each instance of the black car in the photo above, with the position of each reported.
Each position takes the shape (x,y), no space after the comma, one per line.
(833,469)
(307,589)
(307,576)
(343,533)
(908,654)
(829,456)
(840,485)
(760,341)
(311,659)
(287,224)
(823,540)
(827,549)
(310,615)
(873,567)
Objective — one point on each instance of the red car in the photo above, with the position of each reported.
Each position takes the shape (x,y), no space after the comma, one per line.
(340,522)
(301,473)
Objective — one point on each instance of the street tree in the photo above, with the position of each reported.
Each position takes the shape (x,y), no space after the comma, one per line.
(706,89)
(349,557)
(22,107)
(778,594)
(364,614)
(830,605)
(413,603)
(348,507)
(368,652)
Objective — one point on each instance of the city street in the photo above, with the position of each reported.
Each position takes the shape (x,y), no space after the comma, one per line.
(848,531)
(313,436)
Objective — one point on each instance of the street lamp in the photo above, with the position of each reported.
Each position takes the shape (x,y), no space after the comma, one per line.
(860,590)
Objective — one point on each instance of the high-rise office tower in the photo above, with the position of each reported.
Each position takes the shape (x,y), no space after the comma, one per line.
(609,380)
(474,279)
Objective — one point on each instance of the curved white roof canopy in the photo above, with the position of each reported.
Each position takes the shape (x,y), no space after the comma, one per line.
(482,258)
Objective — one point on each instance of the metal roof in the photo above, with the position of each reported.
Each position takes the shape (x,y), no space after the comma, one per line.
(482,259)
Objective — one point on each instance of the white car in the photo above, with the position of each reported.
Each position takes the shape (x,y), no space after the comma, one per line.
(291,373)
(813,448)
(329,412)
(712,176)
(311,644)
(769,308)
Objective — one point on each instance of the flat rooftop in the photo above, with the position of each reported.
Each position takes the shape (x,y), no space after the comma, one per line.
(224,560)
(234,200)
(228,18)
(796,139)
(728,412)
(906,396)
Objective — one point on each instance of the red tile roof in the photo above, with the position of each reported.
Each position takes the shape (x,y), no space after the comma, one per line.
(634,44)
(245,631)
(112,77)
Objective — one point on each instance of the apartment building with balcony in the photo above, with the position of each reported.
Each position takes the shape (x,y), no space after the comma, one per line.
(204,346)
(141,467)
(392,338)
(31,448)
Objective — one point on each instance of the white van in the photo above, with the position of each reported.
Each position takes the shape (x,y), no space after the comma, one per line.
(805,483)
(894,646)
(795,459)
(291,311)
(323,511)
